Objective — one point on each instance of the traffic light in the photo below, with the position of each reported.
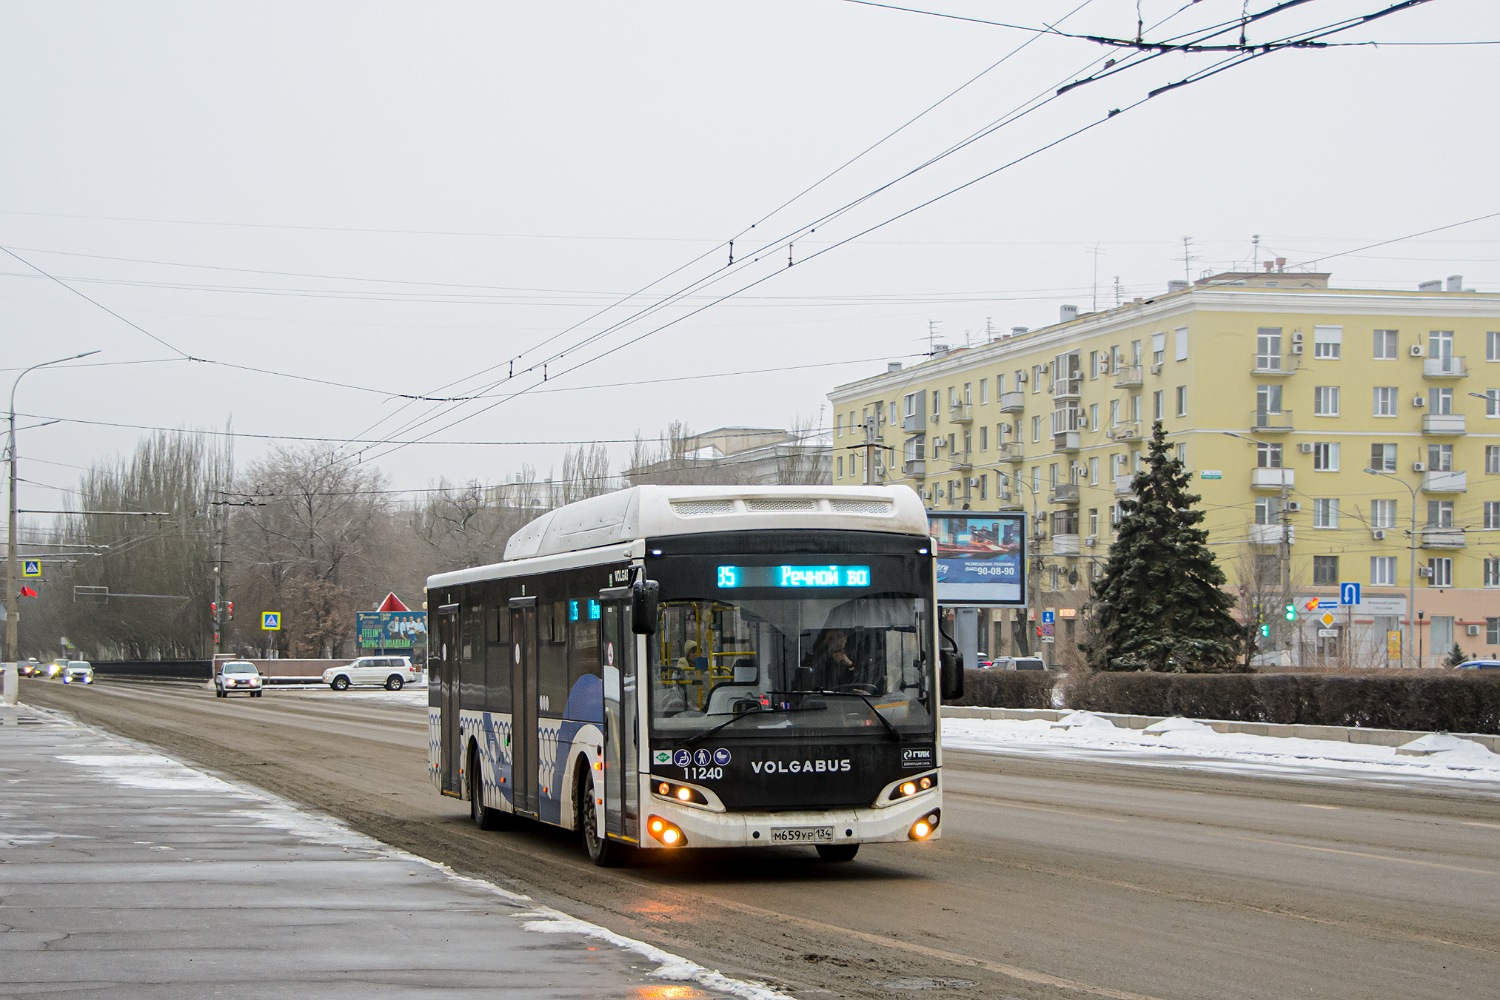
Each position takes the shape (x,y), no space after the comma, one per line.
(1290,614)
(230,608)
(1265,629)
(213,610)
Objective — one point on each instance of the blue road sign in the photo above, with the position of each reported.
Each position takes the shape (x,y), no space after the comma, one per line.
(31,567)
(270,621)
(1348,593)
(1049,617)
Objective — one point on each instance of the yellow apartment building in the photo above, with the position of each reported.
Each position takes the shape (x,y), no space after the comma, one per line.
(1336,436)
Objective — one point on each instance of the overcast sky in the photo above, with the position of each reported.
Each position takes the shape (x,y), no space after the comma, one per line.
(445,199)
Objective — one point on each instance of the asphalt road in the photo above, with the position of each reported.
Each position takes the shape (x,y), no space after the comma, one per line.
(1053,878)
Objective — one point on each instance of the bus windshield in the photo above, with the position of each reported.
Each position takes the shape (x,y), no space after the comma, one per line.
(795,663)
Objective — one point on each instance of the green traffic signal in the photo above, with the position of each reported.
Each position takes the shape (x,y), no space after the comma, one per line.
(1290,614)
(1265,630)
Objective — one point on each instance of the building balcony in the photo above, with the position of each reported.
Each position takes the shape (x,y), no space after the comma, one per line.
(1443,423)
(1010,451)
(1271,479)
(1007,500)
(1066,441)
(1126,431)
(1272,364)
(1124,484)
(1064,493)
(1445,482)
(961,461)
(914,467)
(1127,376)
(1270,534)
(1068,418)
(915,423)
(1444,368)
(1012,402)
(963,413)
(1441,538)
(1066,545)
(1271,421)
(1067,388)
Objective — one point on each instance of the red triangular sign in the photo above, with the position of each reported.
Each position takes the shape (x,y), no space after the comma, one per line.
(392,603)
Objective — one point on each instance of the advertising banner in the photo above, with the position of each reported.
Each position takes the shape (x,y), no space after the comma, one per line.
(390,629)
(981,558)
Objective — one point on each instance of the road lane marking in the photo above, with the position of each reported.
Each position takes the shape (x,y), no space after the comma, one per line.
(1487,826)
(1314,805)
(1363,854)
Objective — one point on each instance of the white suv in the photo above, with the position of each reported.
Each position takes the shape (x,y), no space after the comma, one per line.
(393,672)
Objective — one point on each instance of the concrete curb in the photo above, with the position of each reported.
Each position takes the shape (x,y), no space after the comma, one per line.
(1338,734)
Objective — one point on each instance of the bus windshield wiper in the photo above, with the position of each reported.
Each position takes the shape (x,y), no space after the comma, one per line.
(869,704)
(759,709)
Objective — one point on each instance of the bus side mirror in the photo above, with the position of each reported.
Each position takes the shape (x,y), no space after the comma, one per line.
(645,596)
(951,670)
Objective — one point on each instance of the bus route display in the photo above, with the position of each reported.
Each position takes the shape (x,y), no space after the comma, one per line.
(803,577)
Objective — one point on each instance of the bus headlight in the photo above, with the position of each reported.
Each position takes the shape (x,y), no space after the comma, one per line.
(926,826)
(912,786)
(665,831)
(678,793)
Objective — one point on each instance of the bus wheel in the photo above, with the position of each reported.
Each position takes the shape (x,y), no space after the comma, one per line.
(603,852)
(838,852)
(484,817)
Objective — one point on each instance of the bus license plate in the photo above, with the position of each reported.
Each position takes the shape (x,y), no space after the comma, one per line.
(802,835)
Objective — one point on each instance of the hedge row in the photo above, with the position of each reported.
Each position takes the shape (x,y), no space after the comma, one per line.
(1008,688)
(1458,701)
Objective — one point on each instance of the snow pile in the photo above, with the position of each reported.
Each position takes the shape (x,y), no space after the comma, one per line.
(1083,720)
(1176,724)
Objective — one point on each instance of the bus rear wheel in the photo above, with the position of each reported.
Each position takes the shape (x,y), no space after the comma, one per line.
(602,851)
(484,817)
(838,852)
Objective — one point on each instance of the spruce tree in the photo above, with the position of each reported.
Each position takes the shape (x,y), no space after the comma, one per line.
(1159,605)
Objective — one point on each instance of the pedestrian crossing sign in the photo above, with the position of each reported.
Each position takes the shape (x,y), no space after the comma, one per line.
(270,621)
(31,567)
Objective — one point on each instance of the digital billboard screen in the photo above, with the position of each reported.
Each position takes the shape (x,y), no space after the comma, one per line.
(981,558)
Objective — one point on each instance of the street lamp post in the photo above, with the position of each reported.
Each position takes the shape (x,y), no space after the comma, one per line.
(12,601)
(1411,583)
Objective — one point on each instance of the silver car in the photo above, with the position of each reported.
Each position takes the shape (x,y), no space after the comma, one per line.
(78,672)
(237,675)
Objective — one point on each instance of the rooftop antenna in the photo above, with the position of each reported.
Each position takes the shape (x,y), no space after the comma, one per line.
(1255,252)
(1095,252)
(1187,259)
(1119,292)
(932,333)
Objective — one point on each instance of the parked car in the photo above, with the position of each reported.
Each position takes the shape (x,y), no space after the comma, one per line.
(1480,665)
(237,675)
(78,672)
(390,672)
(1018,663)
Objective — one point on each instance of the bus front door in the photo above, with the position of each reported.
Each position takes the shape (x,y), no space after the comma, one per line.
(523,729)
(621,737)
(450,761)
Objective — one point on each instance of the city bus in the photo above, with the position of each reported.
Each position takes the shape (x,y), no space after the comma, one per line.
(685,667)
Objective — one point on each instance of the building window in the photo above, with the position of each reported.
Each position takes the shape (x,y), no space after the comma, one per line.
(1492,402)
(1181,354)
(984,437)
(1382,513)
(1182,455)
(1267,399)
(1328,342)
(1383,457)
(1492,459)
(839,464)
(1326,513)
(1093,521)
(1325,571)
(1382,571)
(984,390)
(1492,573)
(1440,401)
(1094,472)
(1267,510)
(1135,352)
(1093,416)
(1267,454)
(1386,345)
(1182,400)
(1385,400)
(1158,349)
(1440,513)
(838,425)
(913,403)
(1492,515)
(1326,456)
(1036,428)
(1158,404)
(1114,412)
(1440,458)
(1325,401)
(1268,349)
(1093,364)
(1492,346)
(1440,572)
(1135,408)
(1440,343)
(1492,626)
(1036,378)
(892,418)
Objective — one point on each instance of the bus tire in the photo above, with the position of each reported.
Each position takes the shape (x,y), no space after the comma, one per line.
(838,852)
(484,817)
(602,851)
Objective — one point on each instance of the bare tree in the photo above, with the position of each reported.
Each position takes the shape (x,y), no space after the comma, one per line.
(585,473)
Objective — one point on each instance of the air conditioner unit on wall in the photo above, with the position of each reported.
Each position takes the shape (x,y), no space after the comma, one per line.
(1378,534)
(1305,447)
(1419,466)
(1473,629)
(1424,571)
(1293,506)
(1020,376)
(1296,336)
(926,494)
(1419,401)
(1156,369)
(1416,350)
(1090,540)
(1296,348)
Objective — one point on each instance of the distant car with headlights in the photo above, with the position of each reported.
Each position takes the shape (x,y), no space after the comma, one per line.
(390,672)
(53,670)
(78,672)
(28,668)
(237,676)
